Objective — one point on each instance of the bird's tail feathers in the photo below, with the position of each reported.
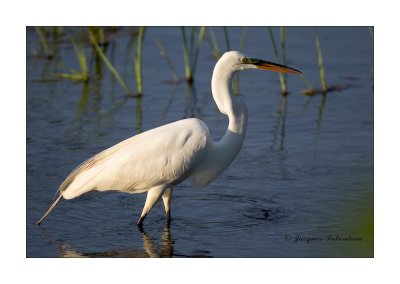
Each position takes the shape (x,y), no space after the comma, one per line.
(50,209)
(55,194)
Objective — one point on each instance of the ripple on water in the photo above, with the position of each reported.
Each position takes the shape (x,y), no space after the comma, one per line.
(270,214)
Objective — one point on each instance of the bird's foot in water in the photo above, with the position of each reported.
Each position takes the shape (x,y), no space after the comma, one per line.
(140,221)
(168,219)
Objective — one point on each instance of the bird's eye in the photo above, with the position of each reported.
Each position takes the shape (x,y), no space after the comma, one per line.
(244,60)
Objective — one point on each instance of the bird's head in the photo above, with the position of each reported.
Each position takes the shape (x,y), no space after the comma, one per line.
(237,61)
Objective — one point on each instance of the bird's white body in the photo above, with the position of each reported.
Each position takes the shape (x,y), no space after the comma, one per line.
(160,158)
(142,162)
(167,155)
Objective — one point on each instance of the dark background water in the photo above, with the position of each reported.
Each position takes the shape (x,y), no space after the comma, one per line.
(302,185)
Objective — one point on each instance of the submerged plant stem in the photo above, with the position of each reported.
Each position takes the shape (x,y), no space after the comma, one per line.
(242,38)
(188,72)
(321,65)
(165,56)
(283,44)
(190,55)
(107,62)
(81,55)
(214,44)
(138,62)
(236,78)
(276,53)
(197,49)
(42,39)
(226,36)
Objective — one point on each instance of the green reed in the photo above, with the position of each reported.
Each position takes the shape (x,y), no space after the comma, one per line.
(212,40)
(243,37)
(42,39)
(235,80)
(282,32)
(81,55)
(186,60)
(139,114)
(191,51)
(94,43)
(99,35)
(164,55)
(321,65)
(226,37)
(138,62)
(84,96)
(280,58)
(311,91)
(80,52)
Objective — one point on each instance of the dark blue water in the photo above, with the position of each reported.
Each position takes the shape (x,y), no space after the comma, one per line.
(302,185)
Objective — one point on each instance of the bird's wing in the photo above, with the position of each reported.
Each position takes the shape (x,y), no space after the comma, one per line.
(95,160)
(164,155)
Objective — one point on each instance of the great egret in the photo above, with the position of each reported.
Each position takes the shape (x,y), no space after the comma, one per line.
(158,159)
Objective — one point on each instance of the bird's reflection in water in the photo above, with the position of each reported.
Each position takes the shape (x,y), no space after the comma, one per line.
(164,249)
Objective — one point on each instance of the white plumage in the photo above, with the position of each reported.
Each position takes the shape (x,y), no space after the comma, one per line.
(141,162)
(156,160)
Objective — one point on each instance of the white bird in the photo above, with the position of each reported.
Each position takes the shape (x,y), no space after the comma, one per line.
(158,159)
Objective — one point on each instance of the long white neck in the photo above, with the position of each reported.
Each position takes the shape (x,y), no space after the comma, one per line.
(227,104)
(234,108)
(224,151)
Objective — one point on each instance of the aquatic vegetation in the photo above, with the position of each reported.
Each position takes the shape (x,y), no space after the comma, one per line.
(280,57)
(84,97)
(99,38)
(235,80)
(212,41)
(191,51)
(80,53)
(138,62)
(226,36)
(216,51)
(311,91)
(42,39)
(164,55)
(321,65)
(49,40)
(242,38)
(99,35)
(93,41)
(139,114)
(296,144)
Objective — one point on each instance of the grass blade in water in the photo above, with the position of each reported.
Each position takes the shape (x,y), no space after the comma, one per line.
(321,65)
(276,53)
(214,44)
(165,56)
(197,49)
(283,44)
(235,80)
(226,36)
(138,62)
(108,63)
(81,55)
(42,40)
(188,72)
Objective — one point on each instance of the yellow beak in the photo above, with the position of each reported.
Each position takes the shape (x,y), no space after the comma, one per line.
(265,65)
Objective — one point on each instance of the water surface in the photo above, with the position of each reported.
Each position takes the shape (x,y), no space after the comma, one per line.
(302,185)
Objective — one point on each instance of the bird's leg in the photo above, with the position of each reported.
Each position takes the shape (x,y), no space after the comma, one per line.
(152,197)
(167,203)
